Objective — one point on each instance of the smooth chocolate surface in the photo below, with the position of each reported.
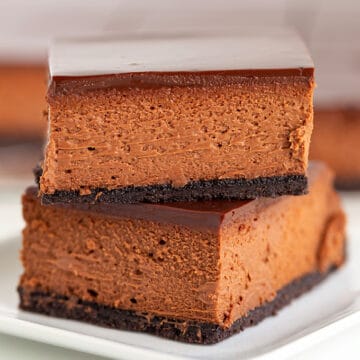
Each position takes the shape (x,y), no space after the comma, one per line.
(251,48)
(190,331)
(208,214)
(203,214)
(154,80)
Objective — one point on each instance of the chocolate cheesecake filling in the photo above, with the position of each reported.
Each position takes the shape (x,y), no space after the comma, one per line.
(212,262)
(172,137)
(213,115)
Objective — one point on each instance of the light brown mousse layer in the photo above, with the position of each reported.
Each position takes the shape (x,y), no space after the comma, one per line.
(110,132)
(208,261)
(22,101)
(336,141)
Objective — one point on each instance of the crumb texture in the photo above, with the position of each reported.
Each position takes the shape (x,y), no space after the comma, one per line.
(194,191)
(189,331)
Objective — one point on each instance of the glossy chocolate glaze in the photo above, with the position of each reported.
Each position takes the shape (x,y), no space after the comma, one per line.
(153,80)
(207,215)
(249,48)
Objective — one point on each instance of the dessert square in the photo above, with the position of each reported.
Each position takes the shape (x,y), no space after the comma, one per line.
(195,272)
(178,118)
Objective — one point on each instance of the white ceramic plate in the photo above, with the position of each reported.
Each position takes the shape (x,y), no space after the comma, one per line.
(328,309)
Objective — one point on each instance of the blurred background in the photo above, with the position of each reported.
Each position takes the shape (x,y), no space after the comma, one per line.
(330,28)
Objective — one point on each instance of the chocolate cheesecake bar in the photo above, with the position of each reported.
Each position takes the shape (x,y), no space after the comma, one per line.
(336,141)
(178,119)
(195,272)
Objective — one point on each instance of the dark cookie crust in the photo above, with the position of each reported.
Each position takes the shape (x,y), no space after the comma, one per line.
(227,189)
(189,331)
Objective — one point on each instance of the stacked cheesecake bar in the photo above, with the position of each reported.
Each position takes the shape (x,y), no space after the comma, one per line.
(165,200)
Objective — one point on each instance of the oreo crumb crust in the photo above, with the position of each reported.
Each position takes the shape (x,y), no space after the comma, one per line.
(190,331)
(203,190)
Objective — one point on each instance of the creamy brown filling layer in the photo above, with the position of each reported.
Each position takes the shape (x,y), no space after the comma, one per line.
(336,141)
(117,137)
(163,267)
(277,241)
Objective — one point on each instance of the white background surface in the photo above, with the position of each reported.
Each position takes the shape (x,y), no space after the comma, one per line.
(344,345)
